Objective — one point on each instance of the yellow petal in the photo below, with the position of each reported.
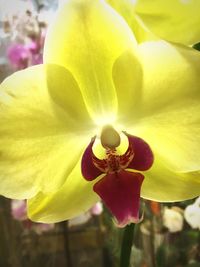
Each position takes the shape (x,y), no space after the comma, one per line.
(73,198)
(172,20)
(40,127)
(87,37)
(128,78)
(169,113)
(162,184)
(126,9)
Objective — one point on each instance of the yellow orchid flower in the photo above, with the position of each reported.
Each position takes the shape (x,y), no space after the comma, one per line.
(97,115)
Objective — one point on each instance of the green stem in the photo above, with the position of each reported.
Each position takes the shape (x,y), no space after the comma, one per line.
(65,229)
(127,242)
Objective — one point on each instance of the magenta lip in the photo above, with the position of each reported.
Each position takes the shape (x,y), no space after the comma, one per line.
(120,187)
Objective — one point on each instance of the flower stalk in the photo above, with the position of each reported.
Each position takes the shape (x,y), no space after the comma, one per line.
(127,242)
(64,226)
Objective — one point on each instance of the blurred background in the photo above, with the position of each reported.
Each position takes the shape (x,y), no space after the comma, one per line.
(168,236)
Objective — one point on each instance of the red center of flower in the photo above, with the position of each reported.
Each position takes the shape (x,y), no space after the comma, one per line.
(114,162)
(119,187)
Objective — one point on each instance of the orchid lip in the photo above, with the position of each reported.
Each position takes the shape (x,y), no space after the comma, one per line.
(120,192)
(120,185)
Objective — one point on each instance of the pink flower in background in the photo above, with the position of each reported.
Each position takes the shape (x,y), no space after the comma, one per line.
(27,30)
(34,48)
(79,220)
(18,210)
(97,209)
(40,228)
(23,55)
(19,213)
(18,55)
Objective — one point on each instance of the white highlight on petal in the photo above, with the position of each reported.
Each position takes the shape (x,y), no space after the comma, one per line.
(185,2)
